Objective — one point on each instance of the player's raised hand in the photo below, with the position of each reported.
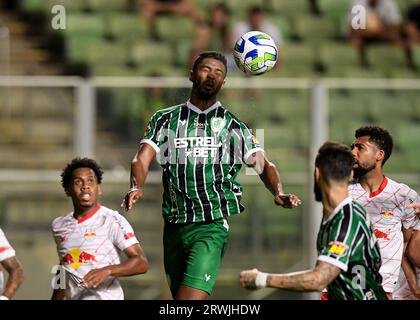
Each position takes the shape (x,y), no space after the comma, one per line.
(132,196)
(287,200)
(415,206)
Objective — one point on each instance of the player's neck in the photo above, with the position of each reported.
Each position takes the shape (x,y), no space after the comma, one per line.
(332,196)
(372,180)
(80,212)
(201,103)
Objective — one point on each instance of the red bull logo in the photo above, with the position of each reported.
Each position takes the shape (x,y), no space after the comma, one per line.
(387,214)
(76,258)
(381,235)
(90,235)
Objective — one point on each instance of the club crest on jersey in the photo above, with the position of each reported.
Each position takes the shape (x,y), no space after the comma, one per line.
(217,124)
(338,248)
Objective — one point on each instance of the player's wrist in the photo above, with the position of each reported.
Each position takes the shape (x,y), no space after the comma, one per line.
(135,188)
(261,280)
(4,298)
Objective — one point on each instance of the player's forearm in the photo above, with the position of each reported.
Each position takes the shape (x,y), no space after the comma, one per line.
(303,281)
(410,275)
(138,174)
(133,266)
(14,281)
(271,178)
(58,294)
(413,249)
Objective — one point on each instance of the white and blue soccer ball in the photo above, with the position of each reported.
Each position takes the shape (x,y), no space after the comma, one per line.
(255,53)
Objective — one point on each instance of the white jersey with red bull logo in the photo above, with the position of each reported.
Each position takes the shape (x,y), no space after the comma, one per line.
(6,252)
(402,290)
(92,242)
(387,213)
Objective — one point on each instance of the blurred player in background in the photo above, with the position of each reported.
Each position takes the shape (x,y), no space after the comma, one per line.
(346,246)
(10,263)
(201,148)
(385,201)
(90,238)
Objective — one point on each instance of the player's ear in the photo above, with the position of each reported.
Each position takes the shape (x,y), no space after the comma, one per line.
(191,75)
(99,190)
(67,192)
(317,174)
(351,175)
(380,155)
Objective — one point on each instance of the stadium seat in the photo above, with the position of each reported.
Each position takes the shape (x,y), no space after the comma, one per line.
(334,8)
(116,53)
(297,60)
(314,29)
(70,5)
(149,53)
(128,26)
(166,31)
(338,58)
(290,7)
(108,6)
(241,6)
(282,23)
(35,6)
(77,47)
(85,24)
(386,57)
(416,55)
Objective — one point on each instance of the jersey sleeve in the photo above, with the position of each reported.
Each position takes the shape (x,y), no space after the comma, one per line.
(250,143)
(409,218)
(6,250)
(152,133)
(338,248)
(122,234)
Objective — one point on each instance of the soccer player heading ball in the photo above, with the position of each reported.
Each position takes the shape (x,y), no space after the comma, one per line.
(201,148)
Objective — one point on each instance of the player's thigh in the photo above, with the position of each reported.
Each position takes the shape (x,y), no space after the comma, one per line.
(174,255)
(205,256)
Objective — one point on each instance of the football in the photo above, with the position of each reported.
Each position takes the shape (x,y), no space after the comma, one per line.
(255,53)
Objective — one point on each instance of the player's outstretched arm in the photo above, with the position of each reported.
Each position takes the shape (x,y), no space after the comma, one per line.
(413,248)
(316,279)
(407,265)
(16,276)
(271,177)
(139,170)
(135,264)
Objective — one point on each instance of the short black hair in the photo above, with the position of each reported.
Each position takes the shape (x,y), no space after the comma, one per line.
(222,6)
(77,163)
(379,136)
(335,161)
(209,54)
(255,9)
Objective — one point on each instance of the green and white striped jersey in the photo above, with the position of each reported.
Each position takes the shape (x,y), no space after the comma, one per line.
(201,153)
(346,241)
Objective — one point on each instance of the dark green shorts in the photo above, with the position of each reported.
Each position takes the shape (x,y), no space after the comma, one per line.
(193,253)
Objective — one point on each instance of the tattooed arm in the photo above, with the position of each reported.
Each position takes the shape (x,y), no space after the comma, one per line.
(315,279)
